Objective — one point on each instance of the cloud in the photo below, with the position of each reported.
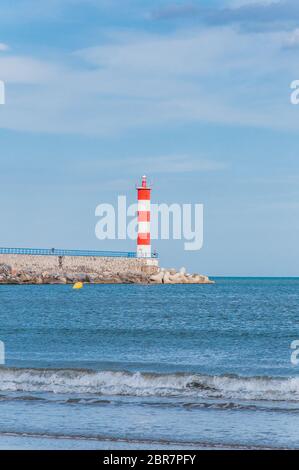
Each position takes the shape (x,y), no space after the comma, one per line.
(28,70)
(176,164)
(153,165)
(292,40)
(240,3)
(137,80)
(250,15)
(3,47)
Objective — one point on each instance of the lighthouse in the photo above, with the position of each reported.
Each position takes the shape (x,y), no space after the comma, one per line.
(144,216)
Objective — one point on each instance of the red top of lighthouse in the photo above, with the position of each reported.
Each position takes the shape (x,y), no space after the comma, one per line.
(144,184)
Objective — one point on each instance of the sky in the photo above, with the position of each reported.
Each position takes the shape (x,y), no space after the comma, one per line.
(195,94)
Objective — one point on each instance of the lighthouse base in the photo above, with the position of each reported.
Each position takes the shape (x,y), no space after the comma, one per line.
(144,251)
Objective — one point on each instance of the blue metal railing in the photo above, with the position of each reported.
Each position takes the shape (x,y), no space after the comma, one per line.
(59,252)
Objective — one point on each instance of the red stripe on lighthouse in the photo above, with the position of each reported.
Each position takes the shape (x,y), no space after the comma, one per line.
(143,239)
(144,194)
(144,216)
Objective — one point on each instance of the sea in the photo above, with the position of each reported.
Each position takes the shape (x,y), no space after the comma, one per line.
(150,366)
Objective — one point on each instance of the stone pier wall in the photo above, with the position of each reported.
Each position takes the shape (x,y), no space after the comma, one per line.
(53,269)
(82,264)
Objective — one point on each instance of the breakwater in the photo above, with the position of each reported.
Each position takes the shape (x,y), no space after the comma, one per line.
(57,268)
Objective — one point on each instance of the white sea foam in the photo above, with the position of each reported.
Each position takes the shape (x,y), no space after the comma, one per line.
(145,384)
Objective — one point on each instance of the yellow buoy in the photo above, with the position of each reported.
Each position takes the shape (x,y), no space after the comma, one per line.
(78,285)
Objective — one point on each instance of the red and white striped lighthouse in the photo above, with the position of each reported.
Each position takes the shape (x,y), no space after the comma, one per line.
(144,216)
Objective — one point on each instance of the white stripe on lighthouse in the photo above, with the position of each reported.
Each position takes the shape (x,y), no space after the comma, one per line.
(143,227)
(144,206)
(144,251)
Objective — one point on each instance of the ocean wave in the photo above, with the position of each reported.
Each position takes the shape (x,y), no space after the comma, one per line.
(186,404)
(84,381)
(140,442)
